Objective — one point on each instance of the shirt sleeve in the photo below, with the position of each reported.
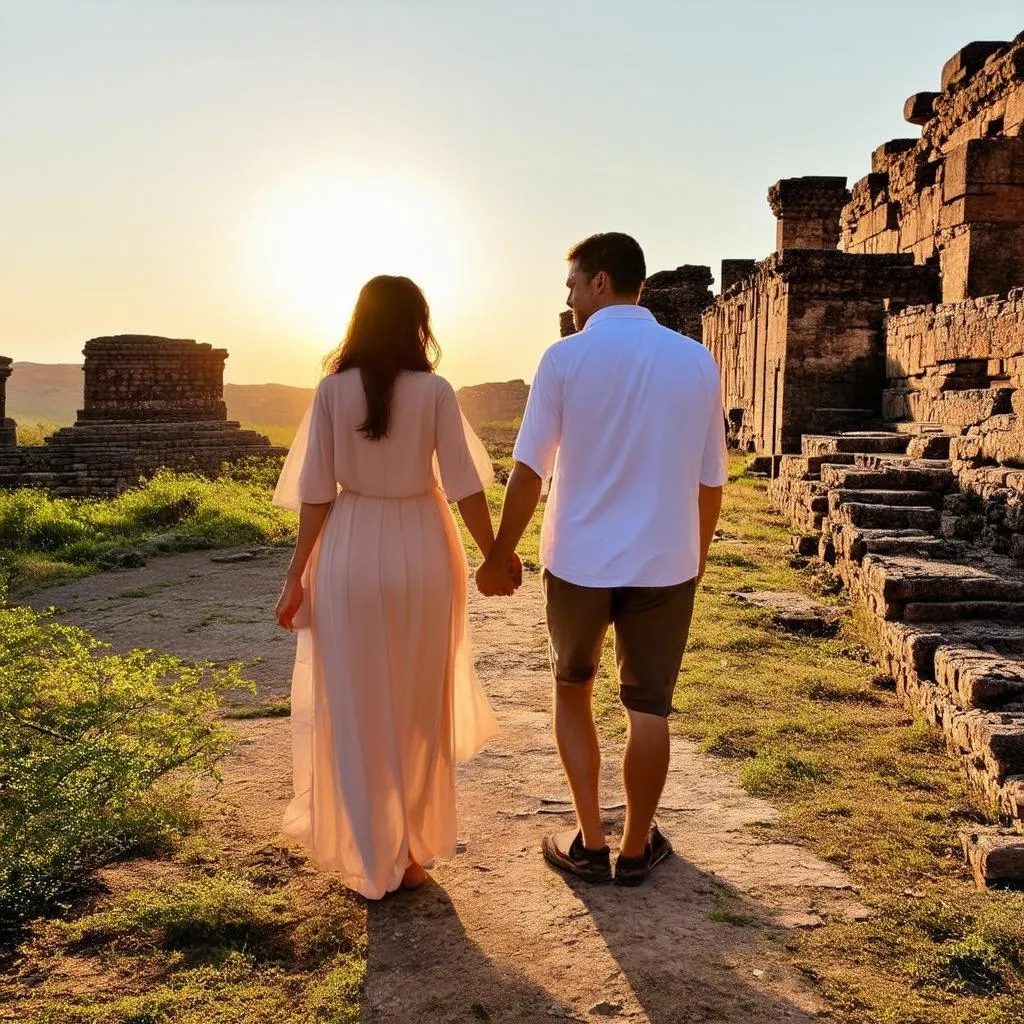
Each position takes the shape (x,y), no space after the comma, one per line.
(317,480)
(714,466)
(541,432)
(458,472)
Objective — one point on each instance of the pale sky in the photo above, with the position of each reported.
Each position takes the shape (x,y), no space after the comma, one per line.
(233,170)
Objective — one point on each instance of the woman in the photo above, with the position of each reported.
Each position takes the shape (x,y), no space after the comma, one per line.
(384,696)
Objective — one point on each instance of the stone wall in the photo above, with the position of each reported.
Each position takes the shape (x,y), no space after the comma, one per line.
(494,403)
(799,343)
(142,378)
(956,194)
(149,403)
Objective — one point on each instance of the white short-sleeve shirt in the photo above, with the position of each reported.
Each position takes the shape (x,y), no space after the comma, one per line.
(626,418)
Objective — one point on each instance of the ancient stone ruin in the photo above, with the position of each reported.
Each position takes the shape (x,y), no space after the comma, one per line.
(876,363)
(148,403)
(677,298)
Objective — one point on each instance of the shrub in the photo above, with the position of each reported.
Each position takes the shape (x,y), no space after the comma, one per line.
(97,752)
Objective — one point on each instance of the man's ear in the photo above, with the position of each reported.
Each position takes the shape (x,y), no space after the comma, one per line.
(602,282)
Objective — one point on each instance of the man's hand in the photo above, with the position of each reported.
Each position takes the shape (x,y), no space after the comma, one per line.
(494,579)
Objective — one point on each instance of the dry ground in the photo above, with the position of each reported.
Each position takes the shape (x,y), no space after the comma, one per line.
(496,935)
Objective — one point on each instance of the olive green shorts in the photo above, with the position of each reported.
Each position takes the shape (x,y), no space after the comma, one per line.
(651,627)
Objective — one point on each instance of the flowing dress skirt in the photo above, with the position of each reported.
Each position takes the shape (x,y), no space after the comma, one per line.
(384,695)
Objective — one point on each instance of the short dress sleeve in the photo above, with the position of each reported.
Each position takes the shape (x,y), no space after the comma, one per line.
(464,467)
(308,472)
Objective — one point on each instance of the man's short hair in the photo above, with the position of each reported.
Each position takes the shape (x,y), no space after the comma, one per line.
(618,255)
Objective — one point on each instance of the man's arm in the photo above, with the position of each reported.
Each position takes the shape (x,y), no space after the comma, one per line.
(495,575)
(709,505)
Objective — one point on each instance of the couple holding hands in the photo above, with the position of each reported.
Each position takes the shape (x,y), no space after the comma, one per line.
(624,417)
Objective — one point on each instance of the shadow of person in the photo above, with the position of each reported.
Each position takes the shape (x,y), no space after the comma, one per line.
(688,947)
(423,968)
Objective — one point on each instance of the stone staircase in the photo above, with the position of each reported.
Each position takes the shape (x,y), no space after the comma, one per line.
(947,618)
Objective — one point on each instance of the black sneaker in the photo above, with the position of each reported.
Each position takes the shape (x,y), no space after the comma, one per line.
(590,865)
(634,870)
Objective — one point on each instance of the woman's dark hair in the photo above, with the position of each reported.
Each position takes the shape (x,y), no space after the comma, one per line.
(389,332)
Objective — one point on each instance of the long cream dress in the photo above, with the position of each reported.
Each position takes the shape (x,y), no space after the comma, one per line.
(384,695)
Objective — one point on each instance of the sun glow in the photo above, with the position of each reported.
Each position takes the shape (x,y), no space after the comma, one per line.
(321,237)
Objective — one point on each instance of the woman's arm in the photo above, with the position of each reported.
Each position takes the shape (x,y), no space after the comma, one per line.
(477,517)
(311,522)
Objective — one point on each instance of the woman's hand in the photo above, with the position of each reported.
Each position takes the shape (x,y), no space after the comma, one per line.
(289,602)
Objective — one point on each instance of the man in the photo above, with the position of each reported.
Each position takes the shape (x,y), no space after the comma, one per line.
(627,416)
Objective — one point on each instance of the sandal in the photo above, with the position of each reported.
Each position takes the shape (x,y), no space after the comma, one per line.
(591,865)
(634,870)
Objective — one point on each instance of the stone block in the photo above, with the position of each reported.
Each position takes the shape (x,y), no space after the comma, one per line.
(793,612)
(918,109)
(982,260)
(967,61)
(995,858)
(994,740)
(978,679)
(981,164)
(883,156)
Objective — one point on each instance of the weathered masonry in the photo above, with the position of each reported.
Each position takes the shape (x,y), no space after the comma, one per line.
(148,402)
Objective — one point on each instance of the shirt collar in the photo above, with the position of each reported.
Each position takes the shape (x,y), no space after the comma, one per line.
(623,311)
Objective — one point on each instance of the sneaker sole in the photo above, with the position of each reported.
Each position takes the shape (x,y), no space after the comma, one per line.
(556,859)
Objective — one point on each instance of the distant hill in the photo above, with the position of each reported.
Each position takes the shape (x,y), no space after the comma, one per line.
(52,392)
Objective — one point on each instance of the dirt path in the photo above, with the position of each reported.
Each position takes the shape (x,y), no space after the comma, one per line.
(496,935)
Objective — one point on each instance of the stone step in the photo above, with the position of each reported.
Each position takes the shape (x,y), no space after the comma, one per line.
(929,446)
(837,420)
(803,467)
(895,461)
(992,739)
(979,679)
(893,478)
(920,517)
(916,428)
(857,443)
(961,611)
(905,578)
(854,543)
(864,496)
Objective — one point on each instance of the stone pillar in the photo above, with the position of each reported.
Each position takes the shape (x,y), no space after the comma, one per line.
(808,212)
(8,428)
(734,271)
(566,326)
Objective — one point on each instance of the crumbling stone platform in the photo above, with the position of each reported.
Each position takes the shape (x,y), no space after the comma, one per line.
(148,403)
(946,618)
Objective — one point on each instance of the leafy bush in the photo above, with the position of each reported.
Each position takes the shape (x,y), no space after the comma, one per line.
(97,752)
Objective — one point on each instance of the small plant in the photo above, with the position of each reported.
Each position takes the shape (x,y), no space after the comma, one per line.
(218,910)
(97,752)
(774,772)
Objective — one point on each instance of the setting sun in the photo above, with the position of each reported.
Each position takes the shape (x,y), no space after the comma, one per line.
(320,237)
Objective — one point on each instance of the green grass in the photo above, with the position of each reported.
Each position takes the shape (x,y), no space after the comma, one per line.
(282,436)
(46,541)
(230,946)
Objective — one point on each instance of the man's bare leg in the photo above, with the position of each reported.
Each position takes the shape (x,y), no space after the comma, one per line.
(644,770)
(576,739)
